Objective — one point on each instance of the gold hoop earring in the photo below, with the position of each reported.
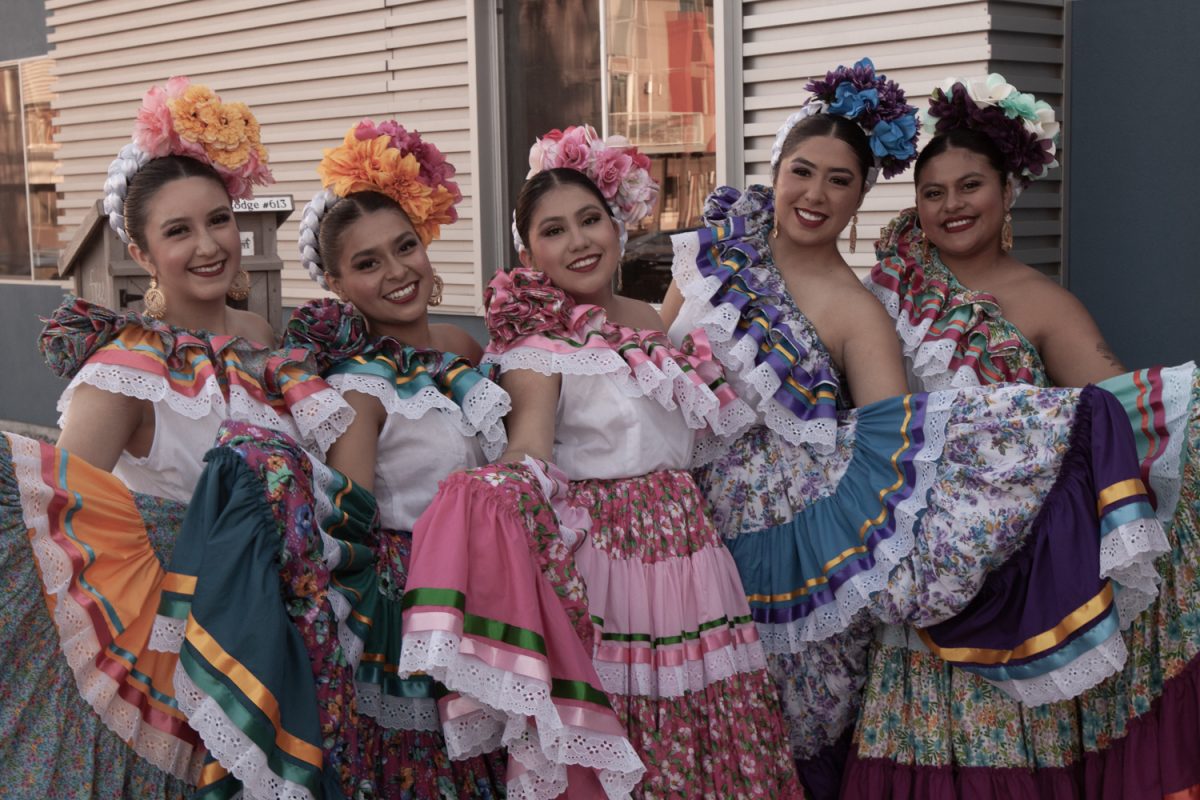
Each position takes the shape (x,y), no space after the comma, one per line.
(154,302)
(1006,233)
(435,297)
(240,288)
(853,232)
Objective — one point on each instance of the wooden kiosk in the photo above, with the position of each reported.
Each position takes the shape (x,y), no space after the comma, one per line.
(103,272)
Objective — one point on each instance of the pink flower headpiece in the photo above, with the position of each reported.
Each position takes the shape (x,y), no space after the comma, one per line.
(186,119)
(620,171)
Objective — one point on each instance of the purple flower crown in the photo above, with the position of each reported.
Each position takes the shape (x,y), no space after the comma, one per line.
(1022,127)
(877,105)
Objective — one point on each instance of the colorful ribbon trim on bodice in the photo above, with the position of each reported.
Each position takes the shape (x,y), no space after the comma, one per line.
(954,336)
(526,312)
(195,372)
(728,267)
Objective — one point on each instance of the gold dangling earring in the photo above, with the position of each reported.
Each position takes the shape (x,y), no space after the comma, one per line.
(1006,235)
(240,288)
(435,297)
(853,232)
(775,228)
(925,256)
(154,302)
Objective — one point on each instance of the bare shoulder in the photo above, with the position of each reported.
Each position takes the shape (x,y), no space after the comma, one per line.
(249,325)
(1051,304)
(858,309)
(453,339)
(639,314)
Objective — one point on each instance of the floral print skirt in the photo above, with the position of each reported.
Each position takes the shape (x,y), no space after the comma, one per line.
(54,744)
(675,648)
(931,730)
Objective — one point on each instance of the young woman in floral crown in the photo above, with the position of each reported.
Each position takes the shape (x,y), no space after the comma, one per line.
(1132,733)
(326,566)
(599,391)
(967,515)
(89,706)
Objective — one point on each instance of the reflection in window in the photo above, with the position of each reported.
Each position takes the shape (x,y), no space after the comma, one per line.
(28,199)
(655,85)
(661,77)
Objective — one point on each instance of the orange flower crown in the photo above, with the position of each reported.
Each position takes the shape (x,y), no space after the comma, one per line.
(393,161)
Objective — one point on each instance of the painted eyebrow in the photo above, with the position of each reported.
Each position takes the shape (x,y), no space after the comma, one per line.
(372,250)
(175,220)
(807,163)
(933,184)
(561,217)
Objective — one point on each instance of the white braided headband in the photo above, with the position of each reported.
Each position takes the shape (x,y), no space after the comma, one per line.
(116,185)
(310,230)
(811,108)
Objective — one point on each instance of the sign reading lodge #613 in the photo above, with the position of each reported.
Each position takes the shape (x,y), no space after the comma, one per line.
(277,203)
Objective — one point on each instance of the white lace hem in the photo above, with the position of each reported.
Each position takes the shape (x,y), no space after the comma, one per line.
(166,636)
(398,713)
(1127,556)
(856,593)
(1071,679)
(77,637)
(144,386)
(545,749)
(322,418)
(1166,473)
(482,413)
(231,747)
(351,644)
(317,419)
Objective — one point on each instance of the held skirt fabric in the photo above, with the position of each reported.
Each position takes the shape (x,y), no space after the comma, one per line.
(675,660)
(286,618)
(972,513)
(86,711)
(929,730)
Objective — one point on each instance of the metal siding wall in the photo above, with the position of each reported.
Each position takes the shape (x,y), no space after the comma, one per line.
(1027,48)
(918,43)
(308,68)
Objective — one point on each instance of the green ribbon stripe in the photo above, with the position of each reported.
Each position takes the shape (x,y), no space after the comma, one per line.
(474,624)
(578,690)
(249,719)
(665,641)
(173,605)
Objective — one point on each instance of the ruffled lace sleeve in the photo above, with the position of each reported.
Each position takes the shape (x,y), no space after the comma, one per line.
(733,294)
(412,382)
(407,381)
(535,325)
(952,336)
(74,332)
(194,374)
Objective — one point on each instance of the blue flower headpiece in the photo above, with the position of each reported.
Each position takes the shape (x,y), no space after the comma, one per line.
(871,101)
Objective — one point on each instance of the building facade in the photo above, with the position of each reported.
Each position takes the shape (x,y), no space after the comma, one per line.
(701,85)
